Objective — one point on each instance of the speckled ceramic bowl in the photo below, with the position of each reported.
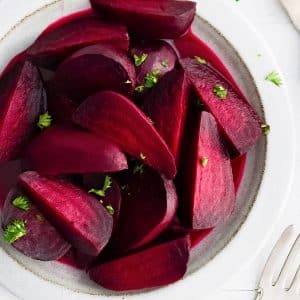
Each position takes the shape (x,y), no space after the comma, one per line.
(261,197)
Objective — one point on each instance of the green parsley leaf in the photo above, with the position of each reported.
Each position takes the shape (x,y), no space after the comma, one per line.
(200,60)
(142,156)
(45,121)
(151,79)
(274,78)
(220,91)
(265,129)
(106,185)
(22,202)
(138,168)
(164,63)
(140,88)
(139,60)
(204,161)
(15,230)
(110,209)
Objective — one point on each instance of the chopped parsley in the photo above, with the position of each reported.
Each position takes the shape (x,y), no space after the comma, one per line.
(45,121)
(204,161)
(106,185)
(138,168)
(110,209)
(21,202)
(200,60)
(274,78)
(151,79)
(265,129)
(139,60)
(140,88)
(164,63)
(199,103)
(14,231)
(220,91)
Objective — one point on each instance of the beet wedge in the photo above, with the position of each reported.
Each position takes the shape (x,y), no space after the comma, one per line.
(53,46)
(60,106)
(114,116)
(166,105)
(79,217)
(149,57)
(66,150)
(236,117)
(155,266)
(149,203)
(112,198)
(41,241)
(166,19)
(22,100)
(206,182)
(95,68)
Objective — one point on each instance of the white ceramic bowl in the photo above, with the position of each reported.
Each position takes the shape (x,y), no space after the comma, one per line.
(263,193)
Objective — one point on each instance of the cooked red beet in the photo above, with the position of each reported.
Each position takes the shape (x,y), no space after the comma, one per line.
(114,116)
(166,19)
(236,117)
(83,261)
(21,102)
(95,68)
(42,241)
(206,181)
(112,199)
(66,150)
(157,56)
(79,217)
(153,267)
(60,106)
(55,45)
(166,105)
(149,203)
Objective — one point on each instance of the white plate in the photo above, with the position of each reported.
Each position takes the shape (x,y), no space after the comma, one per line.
(238,45)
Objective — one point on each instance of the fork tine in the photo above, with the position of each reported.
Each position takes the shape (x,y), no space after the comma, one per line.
(295,286)
(289,263)
(269,270)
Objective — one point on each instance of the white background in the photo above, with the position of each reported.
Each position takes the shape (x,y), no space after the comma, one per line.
(273,24)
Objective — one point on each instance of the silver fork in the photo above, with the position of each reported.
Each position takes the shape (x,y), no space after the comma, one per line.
(281,288)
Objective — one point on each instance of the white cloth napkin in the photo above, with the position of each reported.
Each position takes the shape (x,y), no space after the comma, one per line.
(293,9)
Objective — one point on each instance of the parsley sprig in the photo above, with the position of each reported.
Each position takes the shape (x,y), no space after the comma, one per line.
(45,121)
(14,231)
(274,78)
(106,185)
(139,60)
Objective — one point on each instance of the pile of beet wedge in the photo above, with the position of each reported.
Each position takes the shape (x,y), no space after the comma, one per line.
(125,145)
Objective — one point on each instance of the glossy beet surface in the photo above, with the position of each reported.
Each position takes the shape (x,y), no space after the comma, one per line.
(152,267)
(206,181)
(55,45)
(95,68)
(236,117)
(166,105)
(115,117)
(166,19)
(22,100)
(42,241)
(149,203)
(71,150)
(78,216)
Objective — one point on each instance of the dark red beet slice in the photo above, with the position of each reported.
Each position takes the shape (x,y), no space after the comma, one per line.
(42,241)
(153,267)
(95,68)
(114,116)
(149,203)
(55,45)
(81,219)
(60,106)
(112,195)
(206,181)
(67,150)
(166,105)
(83,261)
(160,57)
(21,102)
(166,19)
(236,117)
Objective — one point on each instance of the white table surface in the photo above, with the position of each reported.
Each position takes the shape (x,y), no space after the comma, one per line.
(274,25)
